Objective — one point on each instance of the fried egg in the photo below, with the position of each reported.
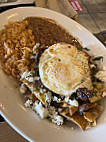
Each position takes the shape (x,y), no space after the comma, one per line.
(63,69)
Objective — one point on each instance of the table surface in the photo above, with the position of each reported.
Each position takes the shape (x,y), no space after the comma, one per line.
(93,18)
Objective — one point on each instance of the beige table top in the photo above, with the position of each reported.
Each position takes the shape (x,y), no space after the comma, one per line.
(7,134)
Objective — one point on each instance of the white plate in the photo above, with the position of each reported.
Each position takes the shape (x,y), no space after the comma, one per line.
(24,120)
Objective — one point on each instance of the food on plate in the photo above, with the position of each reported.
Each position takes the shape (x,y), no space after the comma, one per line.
(57,76)
(63,69)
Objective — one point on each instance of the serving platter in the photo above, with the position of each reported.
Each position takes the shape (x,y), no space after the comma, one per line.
(24,120)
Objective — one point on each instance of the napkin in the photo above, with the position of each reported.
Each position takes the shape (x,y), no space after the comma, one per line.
(61,6)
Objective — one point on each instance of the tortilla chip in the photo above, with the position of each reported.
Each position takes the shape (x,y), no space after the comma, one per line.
(64,112)
(64,105)
(76,118)
(33,98)
(61,101)
(93,99)
(93,113)
(40,96)
(72,109)
(92,124)
(92,105)
(99,96)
